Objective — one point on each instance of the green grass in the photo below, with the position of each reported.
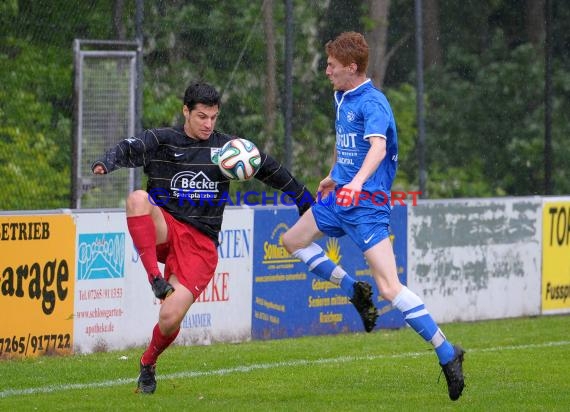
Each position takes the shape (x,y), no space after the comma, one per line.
(510,365)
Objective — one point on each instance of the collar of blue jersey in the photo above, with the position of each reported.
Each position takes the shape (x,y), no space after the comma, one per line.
(361,86)
(339,95)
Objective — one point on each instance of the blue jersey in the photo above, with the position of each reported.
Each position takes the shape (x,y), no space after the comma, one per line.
(360,113)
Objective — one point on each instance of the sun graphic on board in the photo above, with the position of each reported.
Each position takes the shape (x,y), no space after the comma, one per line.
(333,250)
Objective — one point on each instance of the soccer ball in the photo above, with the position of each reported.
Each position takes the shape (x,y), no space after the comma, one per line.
(239,159)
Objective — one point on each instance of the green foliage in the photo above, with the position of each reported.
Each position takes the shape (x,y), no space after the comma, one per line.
(35,144)
(484,105)
(163,112)
(55,23)
(403,102)
(36,97)
(29,181)
(486,123)
(561,130)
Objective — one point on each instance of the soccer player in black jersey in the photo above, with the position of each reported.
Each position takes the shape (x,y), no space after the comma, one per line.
(169,223)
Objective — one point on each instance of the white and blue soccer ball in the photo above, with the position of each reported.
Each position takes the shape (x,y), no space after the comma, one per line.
(239,159)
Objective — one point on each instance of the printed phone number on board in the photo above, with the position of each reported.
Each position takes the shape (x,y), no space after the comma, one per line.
(33,344)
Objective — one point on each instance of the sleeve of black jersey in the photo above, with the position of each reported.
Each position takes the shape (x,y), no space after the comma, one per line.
(131,152)
(278,177)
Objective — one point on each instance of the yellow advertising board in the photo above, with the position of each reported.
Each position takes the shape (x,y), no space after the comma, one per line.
(37,279)
(556,257)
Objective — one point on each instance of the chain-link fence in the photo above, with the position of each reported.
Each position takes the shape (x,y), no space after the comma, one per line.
(105,82)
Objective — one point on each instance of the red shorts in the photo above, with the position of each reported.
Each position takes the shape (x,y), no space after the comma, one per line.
(189,254)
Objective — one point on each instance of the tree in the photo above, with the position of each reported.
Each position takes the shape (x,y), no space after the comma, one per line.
(377,39)
(534,19)
(118,20)
(270,107)
(433,53)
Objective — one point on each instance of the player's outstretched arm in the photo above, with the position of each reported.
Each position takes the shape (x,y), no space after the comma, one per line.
(131,152)
(278,177)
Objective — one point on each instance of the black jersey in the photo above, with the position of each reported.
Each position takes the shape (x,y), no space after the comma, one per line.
(184,178)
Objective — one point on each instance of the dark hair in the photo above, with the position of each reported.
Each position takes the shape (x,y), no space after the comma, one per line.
(201,93)
(349,47)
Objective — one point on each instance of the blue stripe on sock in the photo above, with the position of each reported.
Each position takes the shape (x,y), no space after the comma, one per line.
(413,310)
(424,325)
(318,256)
(325,269)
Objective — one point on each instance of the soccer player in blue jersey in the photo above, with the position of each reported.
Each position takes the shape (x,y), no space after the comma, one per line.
(352,198)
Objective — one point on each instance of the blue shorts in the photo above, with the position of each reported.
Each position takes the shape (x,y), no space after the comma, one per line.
(366,224)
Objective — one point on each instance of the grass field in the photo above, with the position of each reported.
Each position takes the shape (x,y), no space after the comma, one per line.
(510,365)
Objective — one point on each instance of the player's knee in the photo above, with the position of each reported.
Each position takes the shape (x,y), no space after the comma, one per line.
(138,203)
(289,242)
(389,290)
(169,321)
(285,241)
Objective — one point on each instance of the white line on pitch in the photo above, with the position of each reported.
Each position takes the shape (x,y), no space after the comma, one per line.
(257,366)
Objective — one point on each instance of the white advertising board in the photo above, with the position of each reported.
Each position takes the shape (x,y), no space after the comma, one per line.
(222,313)
(474,259)
(114,305)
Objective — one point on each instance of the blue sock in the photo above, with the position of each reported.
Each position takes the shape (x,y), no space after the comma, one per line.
(319,264)
(347,284)
(421,321)
(445,352)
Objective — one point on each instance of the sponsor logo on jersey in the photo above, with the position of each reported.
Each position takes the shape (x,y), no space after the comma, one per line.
(193,185)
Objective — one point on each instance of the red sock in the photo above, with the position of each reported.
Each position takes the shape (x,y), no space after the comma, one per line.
(143,232)
(157,345)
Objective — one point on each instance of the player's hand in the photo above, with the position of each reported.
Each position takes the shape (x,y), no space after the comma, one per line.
(98,169)
(326,186)
(349,193)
